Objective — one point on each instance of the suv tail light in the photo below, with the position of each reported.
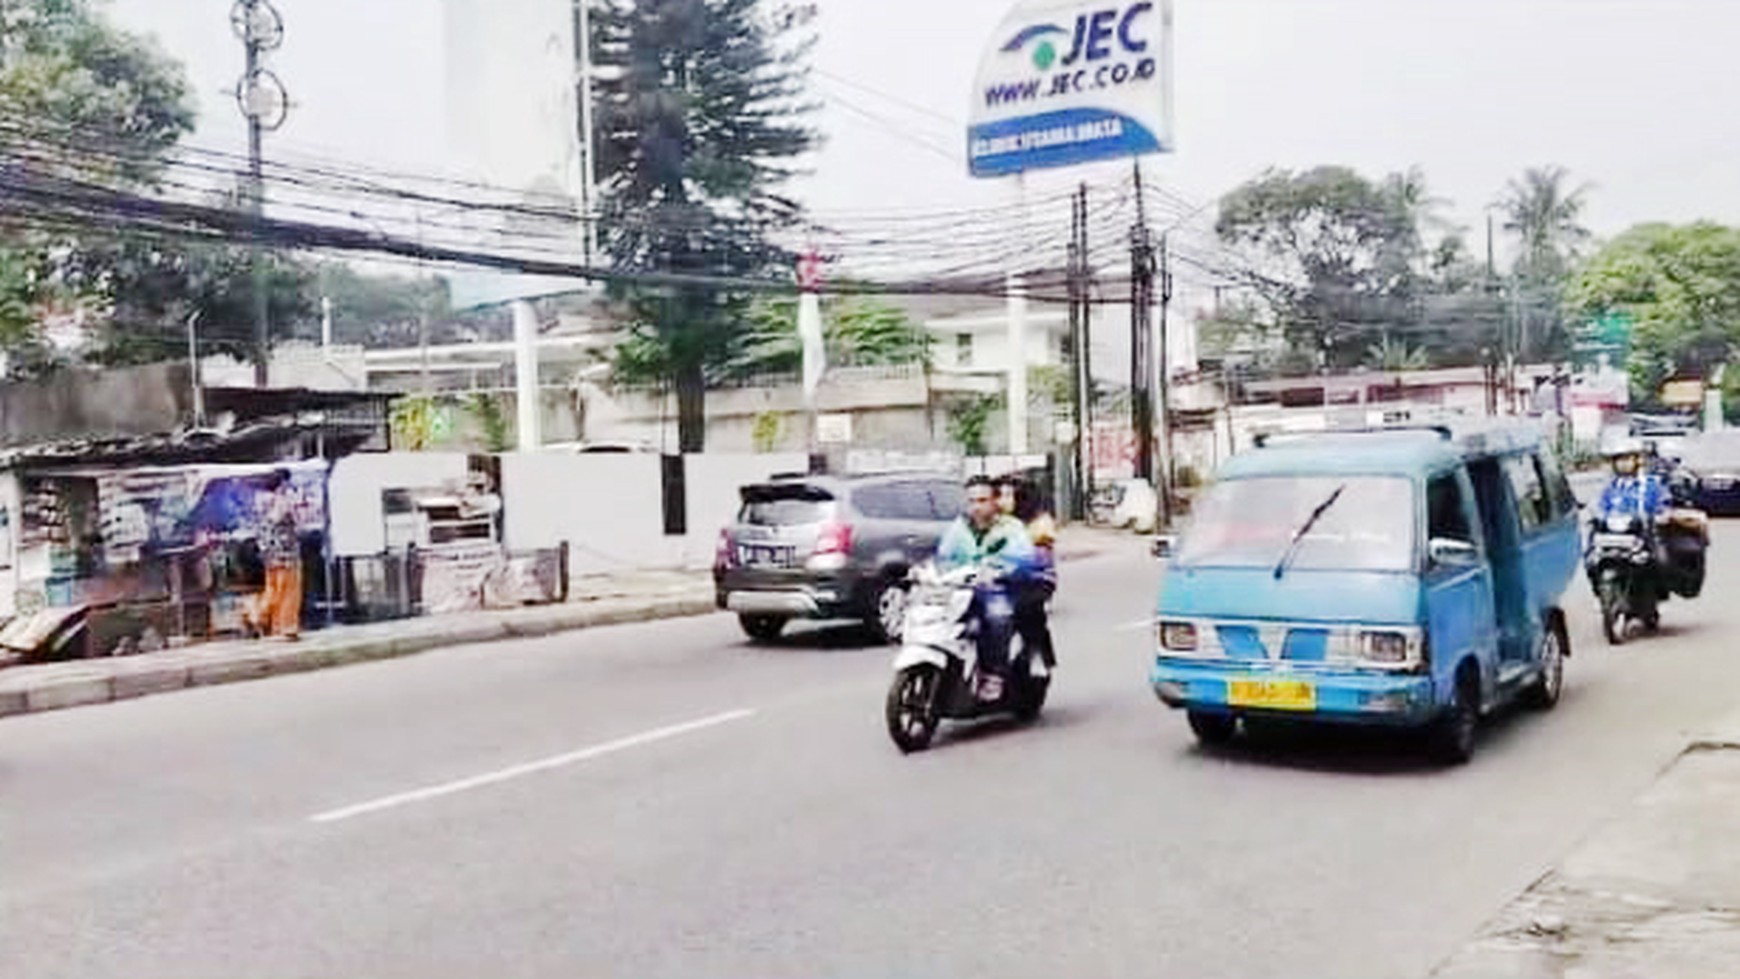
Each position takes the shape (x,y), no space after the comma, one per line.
(725,552)
(834,538)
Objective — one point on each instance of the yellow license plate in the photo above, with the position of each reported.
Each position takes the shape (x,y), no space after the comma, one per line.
(1272,694)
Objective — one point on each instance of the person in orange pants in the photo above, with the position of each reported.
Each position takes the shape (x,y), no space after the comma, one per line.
(279,612)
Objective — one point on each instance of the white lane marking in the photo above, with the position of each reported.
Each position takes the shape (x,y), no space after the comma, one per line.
(1137,626)
(529,768)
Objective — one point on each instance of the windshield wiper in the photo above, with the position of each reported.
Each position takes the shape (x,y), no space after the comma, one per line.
(1305,528)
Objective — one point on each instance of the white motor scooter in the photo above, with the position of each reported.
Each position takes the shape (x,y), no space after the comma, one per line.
(936,674)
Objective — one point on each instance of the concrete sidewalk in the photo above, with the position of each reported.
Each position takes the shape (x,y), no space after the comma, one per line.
(639,596)
(1656,892)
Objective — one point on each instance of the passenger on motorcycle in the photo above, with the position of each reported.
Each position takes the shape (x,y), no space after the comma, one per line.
(988,538)
(1021,500)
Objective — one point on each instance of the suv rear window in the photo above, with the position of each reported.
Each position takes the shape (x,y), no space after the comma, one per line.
(947,500)
(894,501)
(785,506)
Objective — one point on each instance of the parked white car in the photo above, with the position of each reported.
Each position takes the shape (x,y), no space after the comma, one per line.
(1129,504)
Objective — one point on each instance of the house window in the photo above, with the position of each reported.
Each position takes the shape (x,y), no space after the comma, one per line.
(964,349)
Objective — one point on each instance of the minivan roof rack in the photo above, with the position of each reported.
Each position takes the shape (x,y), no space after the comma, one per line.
(1444,432)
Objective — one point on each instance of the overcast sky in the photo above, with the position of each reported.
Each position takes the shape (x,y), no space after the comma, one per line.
(1631,95)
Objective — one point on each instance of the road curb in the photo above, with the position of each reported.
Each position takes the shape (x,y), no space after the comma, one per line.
(186,669)
(143,676)
(70,691)
(1651,877)
(150,678)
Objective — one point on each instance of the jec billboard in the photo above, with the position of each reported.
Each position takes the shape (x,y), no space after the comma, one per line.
(1072,81)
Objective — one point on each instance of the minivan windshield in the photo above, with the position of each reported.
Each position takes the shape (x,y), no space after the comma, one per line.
(1251,523)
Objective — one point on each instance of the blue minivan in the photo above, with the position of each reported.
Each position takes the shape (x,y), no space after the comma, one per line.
(1395,577)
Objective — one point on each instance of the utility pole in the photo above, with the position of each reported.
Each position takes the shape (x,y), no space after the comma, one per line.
(588,125)
(1163,399)
(1085,353)
(1080,384)
(265,104)
(1141,346)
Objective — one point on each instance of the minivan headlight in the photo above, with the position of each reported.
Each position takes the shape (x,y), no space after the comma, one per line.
(1178,637)
(1389,647)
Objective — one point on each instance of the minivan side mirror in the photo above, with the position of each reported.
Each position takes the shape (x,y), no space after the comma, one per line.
(1445,552)
(1165,545)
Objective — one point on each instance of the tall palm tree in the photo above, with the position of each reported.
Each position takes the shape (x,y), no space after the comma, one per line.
(1545,214)
(1407,190)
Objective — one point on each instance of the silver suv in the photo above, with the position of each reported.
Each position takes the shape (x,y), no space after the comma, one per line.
(831,547)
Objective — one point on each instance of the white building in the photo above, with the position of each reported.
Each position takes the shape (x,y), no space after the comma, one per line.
(978,342)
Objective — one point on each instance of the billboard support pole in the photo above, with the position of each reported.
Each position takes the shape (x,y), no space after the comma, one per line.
(1016,289)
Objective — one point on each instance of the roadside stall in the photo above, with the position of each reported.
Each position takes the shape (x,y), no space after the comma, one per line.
(136,559)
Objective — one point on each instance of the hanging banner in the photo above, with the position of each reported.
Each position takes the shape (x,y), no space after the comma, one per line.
(1072,81)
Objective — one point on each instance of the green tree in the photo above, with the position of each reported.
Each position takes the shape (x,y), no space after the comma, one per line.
(385,310)
(858,331)
(20,291)
(414,423)
(497,430)
(153,287)
(969,420)
(1545,214)
(766,432)
(1680,285)
(68,76)
(1340,256)
(79,99)
(699,121)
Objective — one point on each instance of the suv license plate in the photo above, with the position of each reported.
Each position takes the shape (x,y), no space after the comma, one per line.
(761,556)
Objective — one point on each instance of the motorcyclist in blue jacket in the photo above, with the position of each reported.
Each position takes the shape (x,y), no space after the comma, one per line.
(988,538)
(1635,490)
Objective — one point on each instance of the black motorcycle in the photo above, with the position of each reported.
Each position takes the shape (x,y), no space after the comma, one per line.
(1634,567)
(1625,575)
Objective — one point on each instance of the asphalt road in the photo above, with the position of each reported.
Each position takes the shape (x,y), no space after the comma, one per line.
(666,800)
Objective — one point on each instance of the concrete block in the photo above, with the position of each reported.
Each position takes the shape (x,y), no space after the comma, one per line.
(70,691)
(212,672)
(145,678)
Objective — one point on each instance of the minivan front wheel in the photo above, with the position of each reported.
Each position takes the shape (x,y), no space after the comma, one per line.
(1555,646)
(1451,738)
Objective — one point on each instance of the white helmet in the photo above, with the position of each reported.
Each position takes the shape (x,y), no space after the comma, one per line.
(1625,447)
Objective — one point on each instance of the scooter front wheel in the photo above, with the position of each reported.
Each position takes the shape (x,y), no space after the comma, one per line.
(911,709)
